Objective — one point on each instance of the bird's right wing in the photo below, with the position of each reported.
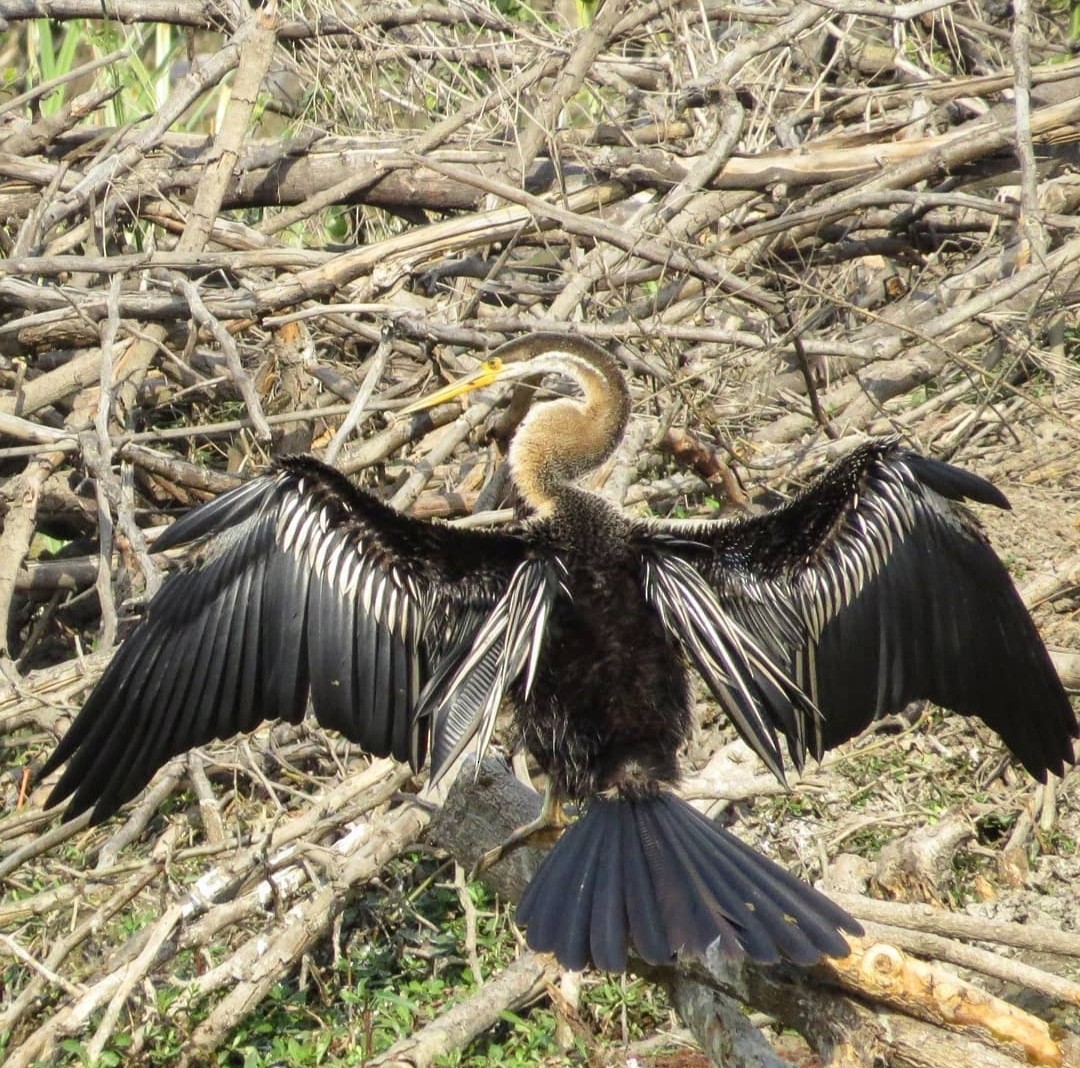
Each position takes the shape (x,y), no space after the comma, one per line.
(306,586)
(870,589)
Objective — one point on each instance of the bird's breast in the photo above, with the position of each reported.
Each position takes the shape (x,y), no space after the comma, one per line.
(609,707)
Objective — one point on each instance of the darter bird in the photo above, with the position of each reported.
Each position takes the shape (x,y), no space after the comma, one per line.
(871,588)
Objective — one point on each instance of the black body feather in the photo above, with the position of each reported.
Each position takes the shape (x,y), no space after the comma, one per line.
(869,589)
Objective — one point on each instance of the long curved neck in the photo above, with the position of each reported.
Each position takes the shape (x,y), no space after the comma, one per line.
(561,440)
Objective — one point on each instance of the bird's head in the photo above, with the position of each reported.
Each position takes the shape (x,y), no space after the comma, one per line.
(563,439)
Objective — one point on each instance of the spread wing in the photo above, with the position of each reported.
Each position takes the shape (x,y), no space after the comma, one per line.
(306,586)
(872,588)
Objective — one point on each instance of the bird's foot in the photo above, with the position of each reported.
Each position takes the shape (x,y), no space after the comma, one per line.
(542,831)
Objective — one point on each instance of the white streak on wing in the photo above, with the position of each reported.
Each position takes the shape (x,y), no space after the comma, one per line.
(493,628)
(842,581)
(320,548)
(509,641)
(334,567)
(527,633)
(391,617)
(882,524)
(301,545)
(811,582)
(365,590)
(723,649)
(827,588)
(292,516)
(850,568)
(878,520)
(380,591)
(350,573)
(857,564)
(900,504)
(526,622)
(536,642)
(341,565)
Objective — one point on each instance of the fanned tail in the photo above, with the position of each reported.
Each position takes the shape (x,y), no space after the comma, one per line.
(654,876)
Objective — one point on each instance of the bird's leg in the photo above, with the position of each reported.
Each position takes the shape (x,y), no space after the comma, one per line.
(550,818)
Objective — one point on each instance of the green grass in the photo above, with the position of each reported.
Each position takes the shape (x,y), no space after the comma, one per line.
(143,77)
(383,989)
(401,964)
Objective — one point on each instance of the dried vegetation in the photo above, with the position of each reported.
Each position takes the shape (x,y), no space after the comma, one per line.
(230,233)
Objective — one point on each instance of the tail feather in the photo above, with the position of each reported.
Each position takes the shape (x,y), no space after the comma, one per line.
(642,909)
(655,876)
(719,889)
(575,874)
(777,921)
(607,924)
(580,885)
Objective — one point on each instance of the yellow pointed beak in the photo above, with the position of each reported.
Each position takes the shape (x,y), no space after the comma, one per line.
(484,375)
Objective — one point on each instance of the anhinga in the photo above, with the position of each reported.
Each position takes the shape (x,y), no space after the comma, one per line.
(869,589)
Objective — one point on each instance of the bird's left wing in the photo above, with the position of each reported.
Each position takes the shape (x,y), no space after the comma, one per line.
(305,586)
(872,588)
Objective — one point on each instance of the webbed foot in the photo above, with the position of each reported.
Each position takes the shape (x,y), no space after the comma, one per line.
(542,831)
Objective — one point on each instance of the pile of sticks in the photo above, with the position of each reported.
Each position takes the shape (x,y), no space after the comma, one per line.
(794,223)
